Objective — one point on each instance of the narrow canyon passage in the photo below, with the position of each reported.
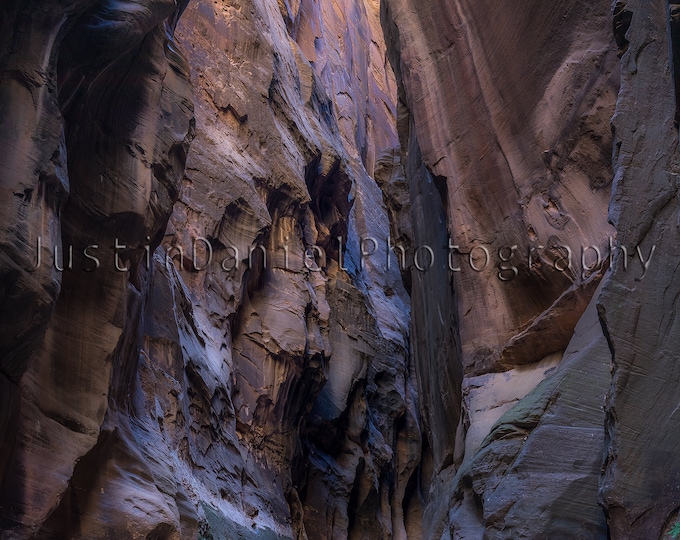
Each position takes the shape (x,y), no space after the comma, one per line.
(360,269)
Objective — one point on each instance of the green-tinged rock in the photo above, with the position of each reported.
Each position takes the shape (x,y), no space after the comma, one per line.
(217,526)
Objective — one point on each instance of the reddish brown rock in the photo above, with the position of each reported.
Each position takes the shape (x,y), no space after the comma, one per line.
(260,364)
(114,104)
(511,111)
(229,388)
(506,115)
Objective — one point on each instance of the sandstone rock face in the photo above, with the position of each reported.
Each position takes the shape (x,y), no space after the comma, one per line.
(308,339)
(510,106)
(511,111)
(640,481)
(507,119)
(108,126)
(536,474)
(250,377)
(354,270)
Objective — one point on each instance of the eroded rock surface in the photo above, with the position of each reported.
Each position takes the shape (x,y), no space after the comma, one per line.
(507,107)
(108,126)
(640,481)
(249,377)
(511,110)
(354,269)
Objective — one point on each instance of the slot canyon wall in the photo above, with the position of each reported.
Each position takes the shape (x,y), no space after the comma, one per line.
(363,269)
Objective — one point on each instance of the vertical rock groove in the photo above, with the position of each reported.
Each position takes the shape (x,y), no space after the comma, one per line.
(510,107)
(674,39)
(639,485)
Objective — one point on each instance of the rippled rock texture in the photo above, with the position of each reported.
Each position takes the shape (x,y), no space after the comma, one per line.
(97,118)
(229,365)
(359,269)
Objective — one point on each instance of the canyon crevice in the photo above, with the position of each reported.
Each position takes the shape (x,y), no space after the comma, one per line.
(362,269)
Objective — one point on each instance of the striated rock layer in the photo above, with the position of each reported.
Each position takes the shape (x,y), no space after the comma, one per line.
(509,111)
(243,369)
(358,269)
(639,487)
(510,106)
(99,136)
